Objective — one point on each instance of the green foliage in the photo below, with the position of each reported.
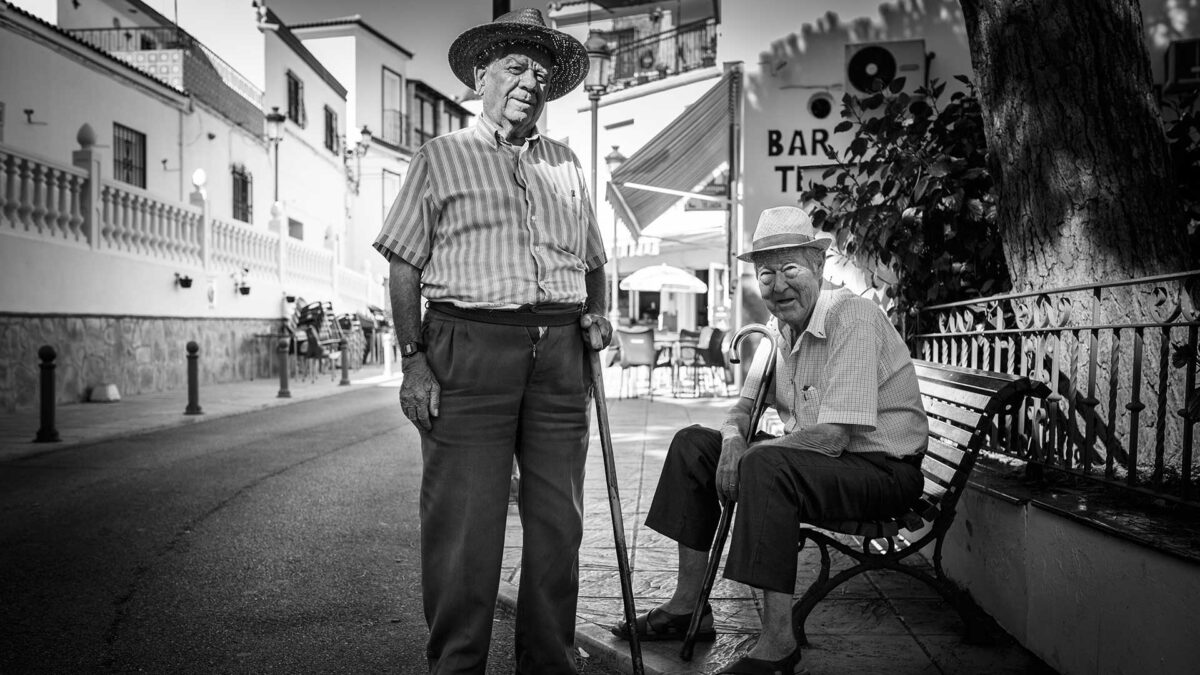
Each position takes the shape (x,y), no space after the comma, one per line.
(912,198)
(1183,143)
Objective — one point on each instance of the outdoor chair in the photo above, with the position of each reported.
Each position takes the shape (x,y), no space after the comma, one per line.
(637,351)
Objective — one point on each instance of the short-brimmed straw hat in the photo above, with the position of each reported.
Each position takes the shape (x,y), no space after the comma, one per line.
(783,227)
(522,25)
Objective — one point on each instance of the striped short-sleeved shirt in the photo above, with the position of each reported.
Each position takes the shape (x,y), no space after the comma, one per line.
(495,225)
(850,367)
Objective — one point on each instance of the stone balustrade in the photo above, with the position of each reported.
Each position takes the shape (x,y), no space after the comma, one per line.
(40,199)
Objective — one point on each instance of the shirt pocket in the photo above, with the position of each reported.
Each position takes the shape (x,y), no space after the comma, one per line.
(564,220)
(808,406)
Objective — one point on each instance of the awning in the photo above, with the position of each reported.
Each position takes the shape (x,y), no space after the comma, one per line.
(685,154)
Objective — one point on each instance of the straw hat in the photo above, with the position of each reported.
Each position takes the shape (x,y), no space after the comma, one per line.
(783,227)
(522,25)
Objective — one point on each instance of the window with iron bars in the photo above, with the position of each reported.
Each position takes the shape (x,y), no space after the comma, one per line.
(331,131)
(129,155)
(295,100)
(243,194)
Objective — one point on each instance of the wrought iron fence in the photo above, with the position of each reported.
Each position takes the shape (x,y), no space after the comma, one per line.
(661,55)
(1124,399)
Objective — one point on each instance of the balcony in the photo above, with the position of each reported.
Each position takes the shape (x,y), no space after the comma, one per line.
(660,55)
(173,56)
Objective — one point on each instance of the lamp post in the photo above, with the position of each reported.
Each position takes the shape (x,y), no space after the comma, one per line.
(361,146)
(274,135)
(614,159)
(599,57)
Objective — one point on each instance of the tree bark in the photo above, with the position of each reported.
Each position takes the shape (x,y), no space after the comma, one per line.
(1086,190)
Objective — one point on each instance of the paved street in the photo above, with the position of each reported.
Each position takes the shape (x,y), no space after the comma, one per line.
(278,541)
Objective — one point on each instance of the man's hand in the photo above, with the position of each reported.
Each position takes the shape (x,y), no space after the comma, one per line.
(597,331)
(733,448)
(420,393)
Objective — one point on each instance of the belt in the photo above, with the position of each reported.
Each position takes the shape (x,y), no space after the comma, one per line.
(914,460)
(552,314)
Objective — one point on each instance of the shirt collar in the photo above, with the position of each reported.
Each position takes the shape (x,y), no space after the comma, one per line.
(816,323)
(490,133)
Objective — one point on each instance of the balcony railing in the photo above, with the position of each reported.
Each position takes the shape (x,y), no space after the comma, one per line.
(399,131)
(1124,399)
(127,40)
(662,55)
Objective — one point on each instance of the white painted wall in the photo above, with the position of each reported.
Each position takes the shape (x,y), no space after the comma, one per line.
(312,182)
(1083,601)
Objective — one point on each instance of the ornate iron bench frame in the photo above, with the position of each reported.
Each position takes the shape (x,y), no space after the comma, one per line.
(961,405)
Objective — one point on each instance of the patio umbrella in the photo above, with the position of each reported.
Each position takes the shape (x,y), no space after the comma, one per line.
(663,278)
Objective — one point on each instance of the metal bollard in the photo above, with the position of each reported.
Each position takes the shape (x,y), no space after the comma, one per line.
(282,350)
(344,347)
(193,376)
(47,433)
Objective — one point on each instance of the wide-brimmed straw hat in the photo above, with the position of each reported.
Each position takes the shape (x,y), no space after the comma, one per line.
(522,25)
(783,227)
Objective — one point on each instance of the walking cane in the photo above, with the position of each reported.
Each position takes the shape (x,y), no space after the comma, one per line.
(614,505)
(714,558)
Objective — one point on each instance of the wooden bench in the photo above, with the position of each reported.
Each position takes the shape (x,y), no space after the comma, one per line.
(962,406)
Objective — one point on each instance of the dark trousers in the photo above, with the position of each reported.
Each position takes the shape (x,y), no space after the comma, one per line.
(778,489)
(506,391)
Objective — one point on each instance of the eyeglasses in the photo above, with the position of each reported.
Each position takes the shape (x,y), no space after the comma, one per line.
(791,271)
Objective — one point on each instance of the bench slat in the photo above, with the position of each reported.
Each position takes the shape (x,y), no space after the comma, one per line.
(963,416)
(932,468)
(934,490)
(970,399)
(982,381)
(956,435)
(945,452)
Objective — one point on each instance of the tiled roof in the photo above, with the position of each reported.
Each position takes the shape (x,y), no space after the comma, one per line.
(354,20)
(289,38)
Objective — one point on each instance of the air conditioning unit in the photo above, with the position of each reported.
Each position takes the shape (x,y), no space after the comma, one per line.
(885,61)
(1183,65)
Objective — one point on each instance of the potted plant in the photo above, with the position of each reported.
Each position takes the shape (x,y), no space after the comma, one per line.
(183,281)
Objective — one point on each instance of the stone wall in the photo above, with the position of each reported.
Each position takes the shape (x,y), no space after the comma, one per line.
(139,354)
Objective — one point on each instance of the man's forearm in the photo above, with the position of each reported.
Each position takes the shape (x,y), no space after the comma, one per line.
(405,286)
(828,439)
(596,283)
(737,420)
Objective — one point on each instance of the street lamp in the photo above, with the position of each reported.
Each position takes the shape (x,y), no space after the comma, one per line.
(599,56)
(614,159)
(361,146)
(275,121)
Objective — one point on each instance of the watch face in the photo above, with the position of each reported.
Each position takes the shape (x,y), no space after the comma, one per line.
(409,348)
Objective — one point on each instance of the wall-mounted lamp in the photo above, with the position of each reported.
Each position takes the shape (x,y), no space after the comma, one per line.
(182,281)
(29,117)
(239,281)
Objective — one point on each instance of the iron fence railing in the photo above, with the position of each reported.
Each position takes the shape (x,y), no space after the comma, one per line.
(662,55)
(1124,399)
(121,40)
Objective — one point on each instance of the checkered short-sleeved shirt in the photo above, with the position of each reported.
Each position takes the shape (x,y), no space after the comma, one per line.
(850,367)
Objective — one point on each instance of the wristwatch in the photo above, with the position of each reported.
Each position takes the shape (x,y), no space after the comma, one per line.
(411,348)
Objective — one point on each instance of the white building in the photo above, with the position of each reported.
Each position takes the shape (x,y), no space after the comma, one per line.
(137,184)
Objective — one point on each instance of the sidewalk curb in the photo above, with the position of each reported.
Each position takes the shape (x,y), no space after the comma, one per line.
(14,451)
(598,643)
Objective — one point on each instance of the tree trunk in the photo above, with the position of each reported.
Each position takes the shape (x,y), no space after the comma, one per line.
(1077,146)
(1085,188)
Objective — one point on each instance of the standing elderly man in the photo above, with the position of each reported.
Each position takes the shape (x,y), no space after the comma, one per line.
(854,435)
(493,227)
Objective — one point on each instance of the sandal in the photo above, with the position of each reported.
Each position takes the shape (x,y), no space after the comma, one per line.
(748,666)
(657,626)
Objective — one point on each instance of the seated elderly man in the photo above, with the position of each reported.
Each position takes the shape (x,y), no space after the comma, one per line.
(854,435)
